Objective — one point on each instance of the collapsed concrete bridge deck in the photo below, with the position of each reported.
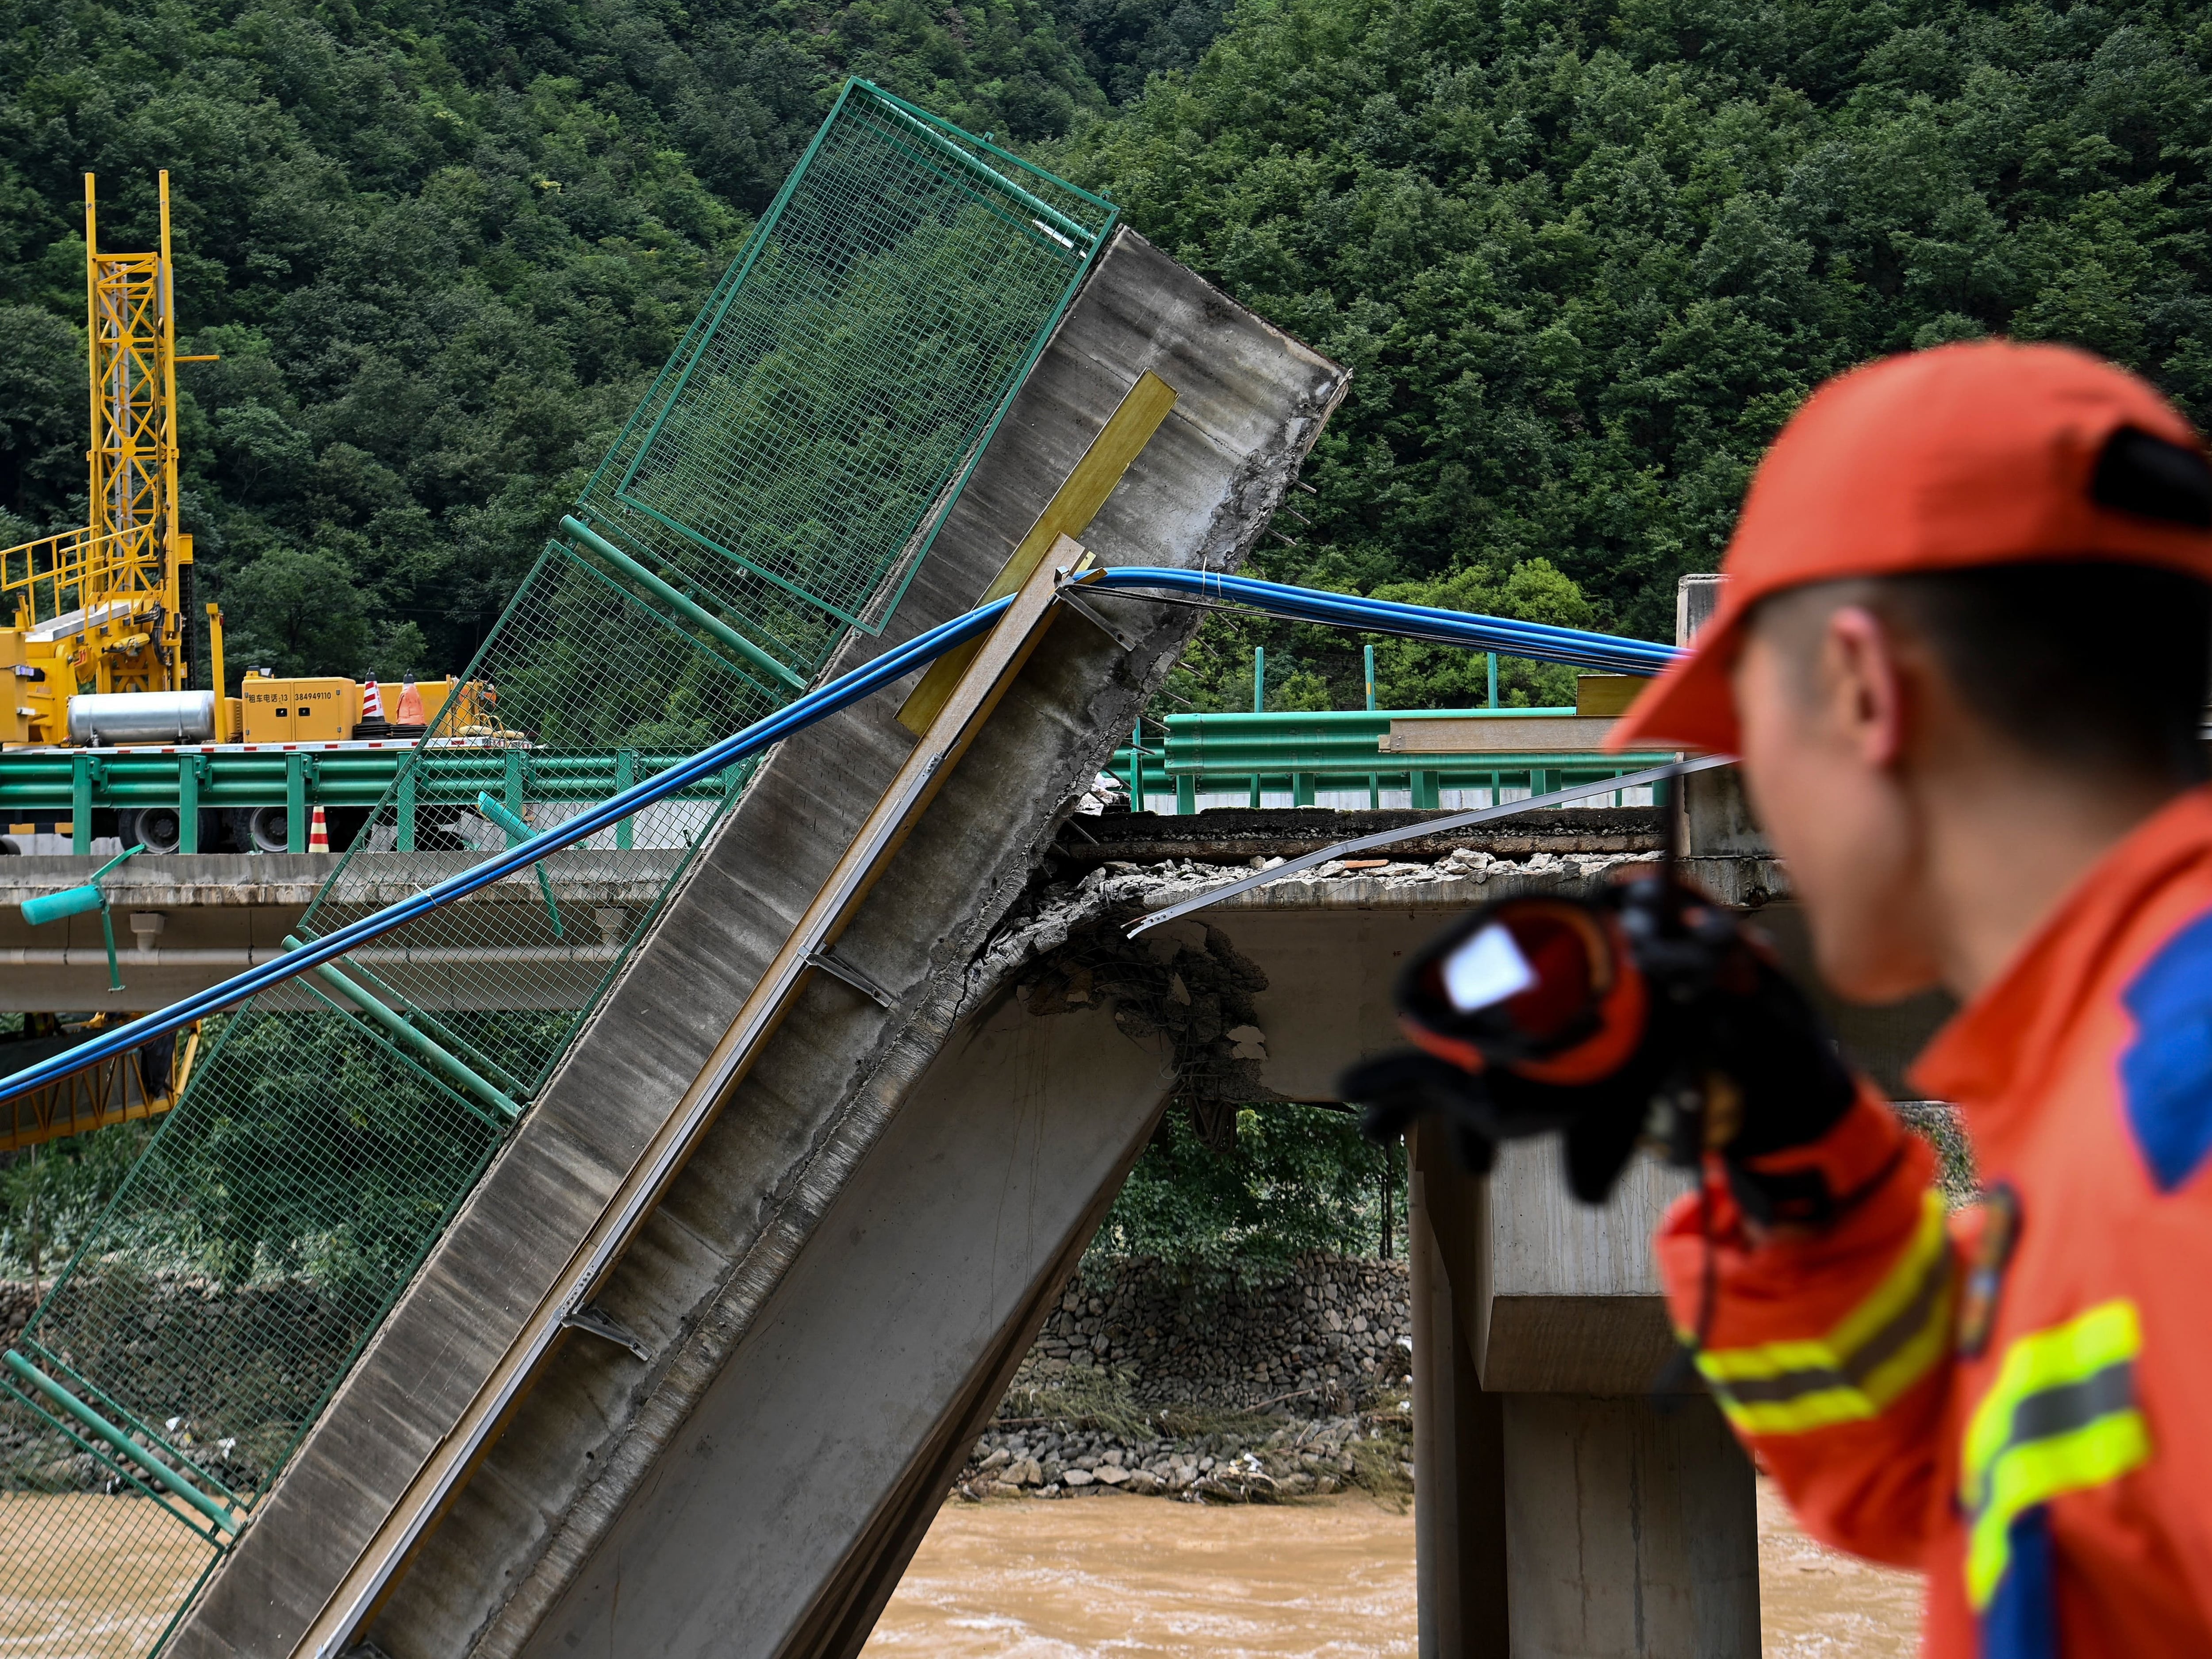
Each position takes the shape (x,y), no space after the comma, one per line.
(471,1470)
(771,1508)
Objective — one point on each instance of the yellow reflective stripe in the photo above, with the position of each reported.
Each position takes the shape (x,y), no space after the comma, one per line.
(2061,1416)
(1877,1350)
(1929,1241)
(2083,1346)
(2037,1472)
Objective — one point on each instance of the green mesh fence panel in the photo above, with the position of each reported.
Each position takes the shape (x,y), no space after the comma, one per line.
(784,477)
(812,430)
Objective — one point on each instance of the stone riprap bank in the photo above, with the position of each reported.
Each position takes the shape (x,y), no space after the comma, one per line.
(1330,1327)
(1139,1384)
(217,1367)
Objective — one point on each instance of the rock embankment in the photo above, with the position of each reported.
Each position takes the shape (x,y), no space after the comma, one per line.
(228,1374)
(1255,1461)
(1333,1329)
(1139,1384)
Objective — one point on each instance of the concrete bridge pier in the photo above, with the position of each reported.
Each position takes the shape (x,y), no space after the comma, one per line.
(1563,1511)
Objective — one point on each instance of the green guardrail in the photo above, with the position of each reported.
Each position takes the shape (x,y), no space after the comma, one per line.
(1302,754)
(53,784)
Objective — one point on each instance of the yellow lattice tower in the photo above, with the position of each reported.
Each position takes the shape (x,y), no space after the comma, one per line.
(102,608)
(128,598)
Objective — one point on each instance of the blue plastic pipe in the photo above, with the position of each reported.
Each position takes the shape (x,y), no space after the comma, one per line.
(1571,646)
(1574,647)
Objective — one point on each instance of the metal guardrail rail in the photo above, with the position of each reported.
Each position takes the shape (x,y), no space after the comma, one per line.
(47,783)
(1295,758)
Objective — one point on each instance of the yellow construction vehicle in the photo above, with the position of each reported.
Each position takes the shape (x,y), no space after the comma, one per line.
(95,635)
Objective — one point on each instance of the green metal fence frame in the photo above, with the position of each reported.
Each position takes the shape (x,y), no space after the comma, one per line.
(695,344)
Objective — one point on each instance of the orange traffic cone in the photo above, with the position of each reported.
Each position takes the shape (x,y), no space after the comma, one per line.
(319,832)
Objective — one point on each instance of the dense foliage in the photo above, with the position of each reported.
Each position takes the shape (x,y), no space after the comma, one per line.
(1300,1178)
(441,247)
(1582,258)
(1585,257)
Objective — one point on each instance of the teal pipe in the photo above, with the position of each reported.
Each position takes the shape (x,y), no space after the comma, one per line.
(682,602)
(54,906)
(438,1033)
(79,901)
(451,1065)
(518,831)
(222,1517)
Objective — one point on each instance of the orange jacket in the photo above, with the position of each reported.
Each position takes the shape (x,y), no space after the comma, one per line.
(2017,1400)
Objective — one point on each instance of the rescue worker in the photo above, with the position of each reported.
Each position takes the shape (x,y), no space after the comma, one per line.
(1962,653)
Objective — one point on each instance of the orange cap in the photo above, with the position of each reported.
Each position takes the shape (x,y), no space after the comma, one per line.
(1986,453)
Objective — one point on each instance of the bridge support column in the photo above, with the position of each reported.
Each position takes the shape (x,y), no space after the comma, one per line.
(1459,1455)
(1632,1530)
(1562,1512)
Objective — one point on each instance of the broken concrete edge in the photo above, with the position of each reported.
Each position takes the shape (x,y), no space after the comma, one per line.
(1238,835)
(1466,877)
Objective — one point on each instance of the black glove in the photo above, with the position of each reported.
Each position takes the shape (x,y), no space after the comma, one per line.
(1648,1014)
(1478,1109)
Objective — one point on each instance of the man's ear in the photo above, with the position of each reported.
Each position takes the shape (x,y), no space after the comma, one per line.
(1862,685)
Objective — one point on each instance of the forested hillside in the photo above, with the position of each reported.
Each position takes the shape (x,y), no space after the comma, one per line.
(1586,255)
(1583,256)
(441,246)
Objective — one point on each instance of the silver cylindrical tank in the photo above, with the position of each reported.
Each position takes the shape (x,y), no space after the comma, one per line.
(101,718)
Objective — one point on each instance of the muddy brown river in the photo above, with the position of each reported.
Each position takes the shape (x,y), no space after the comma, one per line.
(1021,1579)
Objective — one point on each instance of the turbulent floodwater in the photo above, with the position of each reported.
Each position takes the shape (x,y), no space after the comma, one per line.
(1013,1579)
(83,1575)
(1021,1579)
(1134,1576)
(1816,1604)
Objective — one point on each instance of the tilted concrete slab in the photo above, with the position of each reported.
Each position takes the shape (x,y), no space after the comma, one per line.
(786,1506)
(593,1432)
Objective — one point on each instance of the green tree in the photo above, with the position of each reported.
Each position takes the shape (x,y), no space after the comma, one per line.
(42,394)
(1300,1178)
(1583,260)
(305,612)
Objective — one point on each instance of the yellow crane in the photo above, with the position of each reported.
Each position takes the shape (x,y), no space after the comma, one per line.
(103,609)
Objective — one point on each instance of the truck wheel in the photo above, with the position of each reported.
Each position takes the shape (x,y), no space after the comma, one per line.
(258,828)
(157,829)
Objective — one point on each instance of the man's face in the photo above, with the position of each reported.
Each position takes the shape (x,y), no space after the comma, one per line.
(1819,741)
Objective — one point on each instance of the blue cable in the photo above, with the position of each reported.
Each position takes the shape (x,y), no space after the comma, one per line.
(1573,647)
(1544,643)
